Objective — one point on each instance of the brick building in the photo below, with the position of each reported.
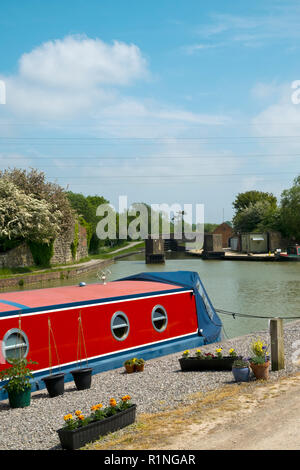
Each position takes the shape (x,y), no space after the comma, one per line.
(226,231)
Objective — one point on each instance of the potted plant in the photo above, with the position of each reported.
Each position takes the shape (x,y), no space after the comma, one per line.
(82,376)
(260,361)
(129,365)
(139,365)
(55,383)
(18,386)
(208,361)
(240,370)
(80,429)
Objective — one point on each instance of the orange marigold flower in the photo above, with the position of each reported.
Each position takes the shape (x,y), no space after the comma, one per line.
(78,412)
(94,407)
(112,402)
(67,417)
(126,398)
(81,417)
(99,406)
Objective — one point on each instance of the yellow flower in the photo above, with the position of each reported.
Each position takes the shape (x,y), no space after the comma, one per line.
(231,350)
(126,398)
(218,350)
(78,412)
(68,417)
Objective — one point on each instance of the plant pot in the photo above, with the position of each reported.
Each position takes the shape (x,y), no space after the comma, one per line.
(76,438)
(194,363)
(241,374)
(261,371)
(55,384)
(19,399)
(130,368)
(139,367)
(82,378)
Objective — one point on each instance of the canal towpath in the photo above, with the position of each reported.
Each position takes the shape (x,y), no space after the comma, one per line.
(65,271)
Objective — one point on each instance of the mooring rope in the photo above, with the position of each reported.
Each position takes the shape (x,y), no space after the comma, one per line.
(80,333)
(237,314)
(50,331)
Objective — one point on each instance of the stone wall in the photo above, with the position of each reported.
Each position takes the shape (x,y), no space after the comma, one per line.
(62,254)
(19,257)
(62,246)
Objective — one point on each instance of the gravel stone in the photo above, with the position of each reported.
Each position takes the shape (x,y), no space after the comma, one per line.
(161,386)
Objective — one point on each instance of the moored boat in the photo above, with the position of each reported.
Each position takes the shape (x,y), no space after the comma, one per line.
(292,254)
(146,315)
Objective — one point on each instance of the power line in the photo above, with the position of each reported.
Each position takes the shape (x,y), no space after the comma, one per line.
(176,139)
(179,176)
(159,157)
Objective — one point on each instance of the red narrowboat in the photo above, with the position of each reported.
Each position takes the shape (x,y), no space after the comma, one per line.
(146,315)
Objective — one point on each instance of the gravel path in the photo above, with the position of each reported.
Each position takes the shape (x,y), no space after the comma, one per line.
(162,385)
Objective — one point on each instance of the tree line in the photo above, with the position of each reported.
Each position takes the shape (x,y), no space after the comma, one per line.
(258,211)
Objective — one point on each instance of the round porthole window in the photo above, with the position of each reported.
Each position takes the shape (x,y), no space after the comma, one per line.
(15,345)
(159,318)
(119,326)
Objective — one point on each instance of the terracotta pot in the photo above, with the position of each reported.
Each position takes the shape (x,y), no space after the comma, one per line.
(129,368)
(261,371)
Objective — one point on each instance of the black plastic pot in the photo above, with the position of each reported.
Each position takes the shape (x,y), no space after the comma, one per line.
(55,384)
(82,378)
(76,438)
(194,363)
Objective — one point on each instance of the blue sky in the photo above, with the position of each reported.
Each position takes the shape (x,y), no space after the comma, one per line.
(165,102)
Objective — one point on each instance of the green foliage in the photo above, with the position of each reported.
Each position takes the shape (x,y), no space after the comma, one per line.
(23,217)
(86,207)
(257,217)
(18,375)
(33,183)
(209,228)
(248,198)
(41,253)
(290,210)
(240,364)
(74,244)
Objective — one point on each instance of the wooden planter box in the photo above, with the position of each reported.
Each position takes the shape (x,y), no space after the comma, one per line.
(194,363)
(76,438)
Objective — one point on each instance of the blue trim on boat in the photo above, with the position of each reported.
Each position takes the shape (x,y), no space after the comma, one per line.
(27,310)
(117,359)
(14,304)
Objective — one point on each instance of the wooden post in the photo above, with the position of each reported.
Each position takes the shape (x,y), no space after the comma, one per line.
(277,343)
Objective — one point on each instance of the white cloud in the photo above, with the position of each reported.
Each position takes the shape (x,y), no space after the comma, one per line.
(79,62)
(79,78)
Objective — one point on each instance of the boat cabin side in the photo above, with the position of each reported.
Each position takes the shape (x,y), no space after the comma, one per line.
(51,337)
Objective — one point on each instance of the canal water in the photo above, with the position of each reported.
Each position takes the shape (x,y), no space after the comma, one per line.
(248,287)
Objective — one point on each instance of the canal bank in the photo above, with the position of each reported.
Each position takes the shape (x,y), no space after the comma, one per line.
(158,391)
(47,276)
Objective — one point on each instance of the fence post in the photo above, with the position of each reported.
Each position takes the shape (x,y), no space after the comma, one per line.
(277,343)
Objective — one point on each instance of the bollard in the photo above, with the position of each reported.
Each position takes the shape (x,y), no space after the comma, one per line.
(277,343)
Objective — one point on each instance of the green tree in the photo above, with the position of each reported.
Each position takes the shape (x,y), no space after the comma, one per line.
(257,217)
(34,184)
(290,210)
(23,217)
(248,198)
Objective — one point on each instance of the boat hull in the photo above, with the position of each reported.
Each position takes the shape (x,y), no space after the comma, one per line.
(55,328)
